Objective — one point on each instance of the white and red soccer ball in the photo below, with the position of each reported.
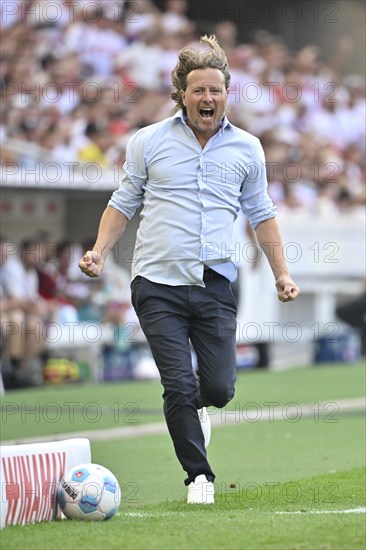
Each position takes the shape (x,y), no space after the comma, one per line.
(89,492)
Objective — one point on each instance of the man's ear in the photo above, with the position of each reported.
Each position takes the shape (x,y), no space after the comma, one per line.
(183,94)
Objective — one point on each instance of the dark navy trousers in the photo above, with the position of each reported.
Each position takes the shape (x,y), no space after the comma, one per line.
(170,317)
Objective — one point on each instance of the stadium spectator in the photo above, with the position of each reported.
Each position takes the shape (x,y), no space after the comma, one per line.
(71,291)
(174,18)
(97,145)
(23,314)
(142,59)
(97,44)
(353,312)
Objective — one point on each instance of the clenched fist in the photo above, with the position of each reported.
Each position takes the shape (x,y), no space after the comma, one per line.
(287,290)
(92,263)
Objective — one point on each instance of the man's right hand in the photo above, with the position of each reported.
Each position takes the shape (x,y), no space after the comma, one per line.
(91,263)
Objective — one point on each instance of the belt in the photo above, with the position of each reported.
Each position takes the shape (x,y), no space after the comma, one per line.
(210,274)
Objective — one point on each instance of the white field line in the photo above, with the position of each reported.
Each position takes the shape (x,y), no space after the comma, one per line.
(220,417)
(150,514)
(280,513)
(351,511)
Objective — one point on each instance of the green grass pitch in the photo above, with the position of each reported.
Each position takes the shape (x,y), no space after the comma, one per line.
(282,483)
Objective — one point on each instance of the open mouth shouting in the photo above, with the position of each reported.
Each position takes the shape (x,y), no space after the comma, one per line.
(207,113)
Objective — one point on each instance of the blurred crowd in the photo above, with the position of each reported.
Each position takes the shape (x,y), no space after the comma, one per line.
(42,288)
(78,78)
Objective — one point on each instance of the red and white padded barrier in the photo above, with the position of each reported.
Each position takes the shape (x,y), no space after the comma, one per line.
(29,476)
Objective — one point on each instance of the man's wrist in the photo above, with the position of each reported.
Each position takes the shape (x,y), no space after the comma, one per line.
(102,251)
(282,275)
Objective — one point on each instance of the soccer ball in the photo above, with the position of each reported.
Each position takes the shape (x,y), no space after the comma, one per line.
(89,492)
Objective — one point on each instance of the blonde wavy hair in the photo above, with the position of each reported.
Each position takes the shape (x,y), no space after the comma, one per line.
(191,58)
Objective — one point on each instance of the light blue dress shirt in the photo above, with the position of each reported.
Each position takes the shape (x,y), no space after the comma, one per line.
(191,197)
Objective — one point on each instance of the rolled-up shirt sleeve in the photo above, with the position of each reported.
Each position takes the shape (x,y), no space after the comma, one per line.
(129,196)
(254,199)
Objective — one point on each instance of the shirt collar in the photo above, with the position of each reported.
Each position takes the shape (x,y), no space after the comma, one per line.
(225,123)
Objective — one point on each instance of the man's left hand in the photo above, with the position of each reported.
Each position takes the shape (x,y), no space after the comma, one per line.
(287,290)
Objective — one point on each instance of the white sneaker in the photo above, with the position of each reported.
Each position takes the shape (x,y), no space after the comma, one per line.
(201,491)
(205,424)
